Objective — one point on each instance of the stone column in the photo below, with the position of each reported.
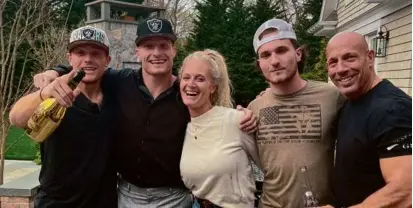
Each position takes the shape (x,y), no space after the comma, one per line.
(105,9)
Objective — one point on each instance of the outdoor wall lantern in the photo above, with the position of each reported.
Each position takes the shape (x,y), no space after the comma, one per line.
(380,42)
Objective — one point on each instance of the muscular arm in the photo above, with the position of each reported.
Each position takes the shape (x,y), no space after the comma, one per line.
(393,132)
(397,172)
(391,128)
(24,108)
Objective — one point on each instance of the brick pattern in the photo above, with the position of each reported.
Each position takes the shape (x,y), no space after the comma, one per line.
(16,202)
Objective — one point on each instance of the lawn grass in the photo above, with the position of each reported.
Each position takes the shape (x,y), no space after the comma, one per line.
(19,146)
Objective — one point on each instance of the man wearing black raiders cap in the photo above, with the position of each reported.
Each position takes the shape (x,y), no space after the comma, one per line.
(151,122)
(152,111)
(155,28)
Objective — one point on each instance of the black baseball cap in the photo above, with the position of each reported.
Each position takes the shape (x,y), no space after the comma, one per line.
(154,27)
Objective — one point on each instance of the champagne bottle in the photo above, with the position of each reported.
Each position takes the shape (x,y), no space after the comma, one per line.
(309,199)
(48,115)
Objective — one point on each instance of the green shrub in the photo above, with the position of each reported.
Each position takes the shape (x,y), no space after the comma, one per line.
(19,146)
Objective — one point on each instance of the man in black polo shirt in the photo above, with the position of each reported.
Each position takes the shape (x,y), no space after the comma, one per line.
(151,122)
(374,146)
(76,169)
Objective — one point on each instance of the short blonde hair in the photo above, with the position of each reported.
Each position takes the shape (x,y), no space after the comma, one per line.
(219,73)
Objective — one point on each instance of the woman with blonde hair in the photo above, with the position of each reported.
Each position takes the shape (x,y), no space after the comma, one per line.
(215,163)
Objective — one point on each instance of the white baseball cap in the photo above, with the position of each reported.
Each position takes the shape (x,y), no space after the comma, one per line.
(284,31)
(88,35)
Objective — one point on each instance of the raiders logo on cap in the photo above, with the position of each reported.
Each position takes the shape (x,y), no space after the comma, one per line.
(88,33)
(154,25)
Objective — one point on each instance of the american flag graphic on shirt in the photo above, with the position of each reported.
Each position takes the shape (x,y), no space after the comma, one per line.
(291,122)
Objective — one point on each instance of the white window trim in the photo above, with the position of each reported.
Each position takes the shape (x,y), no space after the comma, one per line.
(370,38)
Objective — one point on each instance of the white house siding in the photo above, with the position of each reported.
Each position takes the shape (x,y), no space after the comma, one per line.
(397,65)
(348,10)
(365,18)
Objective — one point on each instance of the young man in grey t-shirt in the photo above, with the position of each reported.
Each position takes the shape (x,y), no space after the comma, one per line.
(296,116)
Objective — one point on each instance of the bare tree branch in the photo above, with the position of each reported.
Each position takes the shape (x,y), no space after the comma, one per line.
(179,12)
(28,35)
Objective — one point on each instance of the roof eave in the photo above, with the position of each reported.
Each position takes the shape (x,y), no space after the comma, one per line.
(323,28)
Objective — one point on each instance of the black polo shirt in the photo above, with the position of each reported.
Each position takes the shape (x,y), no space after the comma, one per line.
(377,125)
(149,133)
(77,168)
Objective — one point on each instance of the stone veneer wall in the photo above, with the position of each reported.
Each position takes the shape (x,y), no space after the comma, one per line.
(122,43)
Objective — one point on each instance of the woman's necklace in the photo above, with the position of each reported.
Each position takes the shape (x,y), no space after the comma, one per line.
(194,130)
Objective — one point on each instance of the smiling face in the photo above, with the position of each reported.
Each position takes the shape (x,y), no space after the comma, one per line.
(156,54)
(92,59)
(350,64)
(278,59)
(197,86)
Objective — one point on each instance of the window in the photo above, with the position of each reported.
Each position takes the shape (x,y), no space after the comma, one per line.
(370,41)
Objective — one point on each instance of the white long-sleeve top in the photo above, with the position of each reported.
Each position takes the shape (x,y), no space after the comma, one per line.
(215,162)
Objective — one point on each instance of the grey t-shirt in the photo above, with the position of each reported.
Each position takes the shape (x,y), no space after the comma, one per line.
(295,131)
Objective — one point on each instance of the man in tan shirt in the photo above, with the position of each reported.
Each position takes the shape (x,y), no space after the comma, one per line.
(296,118)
